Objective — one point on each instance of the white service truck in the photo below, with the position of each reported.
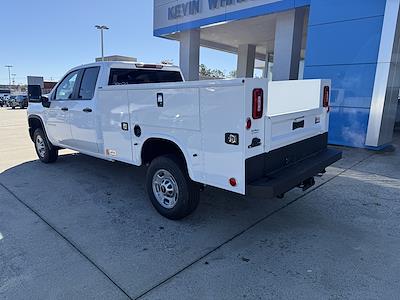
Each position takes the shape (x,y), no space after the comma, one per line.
(247,136)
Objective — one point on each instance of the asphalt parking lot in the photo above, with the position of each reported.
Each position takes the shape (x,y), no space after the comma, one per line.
(84,228)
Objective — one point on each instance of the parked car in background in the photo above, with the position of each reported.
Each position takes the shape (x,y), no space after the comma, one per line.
(5,99)
(11,100)
(4,95)
(20,100)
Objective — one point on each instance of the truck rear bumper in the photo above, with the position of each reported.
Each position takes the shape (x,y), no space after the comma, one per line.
(294,175)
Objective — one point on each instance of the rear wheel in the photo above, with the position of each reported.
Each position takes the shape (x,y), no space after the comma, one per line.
(170,189)
(44,150)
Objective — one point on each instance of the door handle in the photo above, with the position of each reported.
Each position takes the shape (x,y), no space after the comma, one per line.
(64,109)
(87,110)
(297,125)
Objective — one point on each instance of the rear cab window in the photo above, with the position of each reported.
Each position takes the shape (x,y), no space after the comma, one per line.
(88,83)
(120,76)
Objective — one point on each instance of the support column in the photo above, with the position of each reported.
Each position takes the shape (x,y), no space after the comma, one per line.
(189,56)
(246,60)
(268,60)
(288,38)
(385,94)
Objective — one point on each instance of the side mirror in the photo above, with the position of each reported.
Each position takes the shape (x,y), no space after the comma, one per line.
(45,101)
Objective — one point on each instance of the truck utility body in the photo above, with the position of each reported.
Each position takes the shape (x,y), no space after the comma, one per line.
(247,136)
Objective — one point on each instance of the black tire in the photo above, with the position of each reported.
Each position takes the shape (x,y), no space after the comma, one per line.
(188,196)
(48,153)
(13,107)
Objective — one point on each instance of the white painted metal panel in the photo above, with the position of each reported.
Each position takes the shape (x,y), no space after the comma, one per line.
(294,102)
(112,111)
(83,125)
(222,111)
(292,96)
(180,108)
(280,132)
(177,121)
(57,123)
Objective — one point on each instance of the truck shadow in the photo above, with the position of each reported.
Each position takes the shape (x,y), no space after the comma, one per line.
(77,179)
(118,190)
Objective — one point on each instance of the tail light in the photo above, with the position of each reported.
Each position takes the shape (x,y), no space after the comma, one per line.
(258,103)
(326,97)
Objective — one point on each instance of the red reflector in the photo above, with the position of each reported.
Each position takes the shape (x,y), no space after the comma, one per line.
(232,182)
(326,96)
(258,103)
(248,123)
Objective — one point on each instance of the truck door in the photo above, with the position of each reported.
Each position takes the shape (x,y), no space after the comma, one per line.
(58,129)
(113,110)
(82,113)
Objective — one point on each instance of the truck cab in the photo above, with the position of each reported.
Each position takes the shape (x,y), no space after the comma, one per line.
(244,135)
(71,117)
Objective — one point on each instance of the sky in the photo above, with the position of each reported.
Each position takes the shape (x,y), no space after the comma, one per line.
(46,38)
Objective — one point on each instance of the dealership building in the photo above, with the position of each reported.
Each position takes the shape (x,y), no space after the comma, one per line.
(355,43)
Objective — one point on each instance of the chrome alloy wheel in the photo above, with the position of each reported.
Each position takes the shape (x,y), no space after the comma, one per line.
(40,146)
(165,189)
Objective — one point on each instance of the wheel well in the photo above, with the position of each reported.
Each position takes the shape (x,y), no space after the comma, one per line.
(34,123)
(154,147)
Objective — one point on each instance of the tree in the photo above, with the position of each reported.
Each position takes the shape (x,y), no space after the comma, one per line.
(232,74)
(207,73)
(167,61)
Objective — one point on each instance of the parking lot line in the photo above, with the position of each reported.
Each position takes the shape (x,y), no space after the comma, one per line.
(250,227)
(71,243)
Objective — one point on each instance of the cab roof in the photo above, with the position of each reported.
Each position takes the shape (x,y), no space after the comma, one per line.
(129,65)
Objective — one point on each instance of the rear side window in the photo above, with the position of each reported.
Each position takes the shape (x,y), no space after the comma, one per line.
(88,85)
(139,76)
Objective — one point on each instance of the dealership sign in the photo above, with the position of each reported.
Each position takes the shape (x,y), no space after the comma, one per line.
(194,7)
(170,14)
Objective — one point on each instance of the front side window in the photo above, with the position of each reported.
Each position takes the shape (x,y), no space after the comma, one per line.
(66,88)
(139,76)
(88,85)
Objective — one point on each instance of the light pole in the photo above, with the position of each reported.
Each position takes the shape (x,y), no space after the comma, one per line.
(9,75)
(102,28)
(13,79)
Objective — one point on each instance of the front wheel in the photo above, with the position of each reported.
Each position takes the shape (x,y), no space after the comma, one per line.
(44,150)
(170,189)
